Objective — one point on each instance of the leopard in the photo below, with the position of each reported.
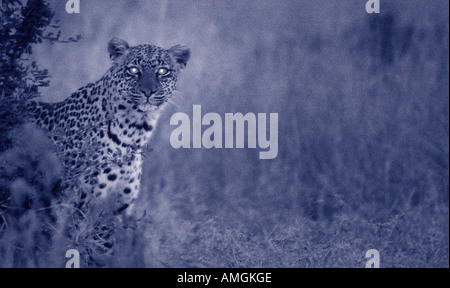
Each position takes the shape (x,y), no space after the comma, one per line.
(101,130)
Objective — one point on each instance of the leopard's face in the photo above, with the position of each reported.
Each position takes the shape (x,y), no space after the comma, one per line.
(145,76)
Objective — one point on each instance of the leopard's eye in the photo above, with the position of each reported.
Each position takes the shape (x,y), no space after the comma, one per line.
(163,71)
(133,70)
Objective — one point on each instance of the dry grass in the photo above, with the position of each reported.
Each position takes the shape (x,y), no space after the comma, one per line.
(363,158)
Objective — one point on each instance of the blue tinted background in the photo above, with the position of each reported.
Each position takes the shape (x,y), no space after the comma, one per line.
(363,109)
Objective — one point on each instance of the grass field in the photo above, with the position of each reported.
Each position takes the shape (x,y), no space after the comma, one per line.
(363,103)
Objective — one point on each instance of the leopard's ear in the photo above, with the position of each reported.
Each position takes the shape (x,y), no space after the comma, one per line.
(181,54)
(117,48)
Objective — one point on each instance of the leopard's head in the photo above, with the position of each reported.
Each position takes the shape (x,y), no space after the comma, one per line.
(145,75)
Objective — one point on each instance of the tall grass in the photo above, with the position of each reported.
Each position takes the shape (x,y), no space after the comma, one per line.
(363,159)
(363,128)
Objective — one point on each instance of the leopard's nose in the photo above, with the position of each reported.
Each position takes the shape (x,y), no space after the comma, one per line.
(148,93)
